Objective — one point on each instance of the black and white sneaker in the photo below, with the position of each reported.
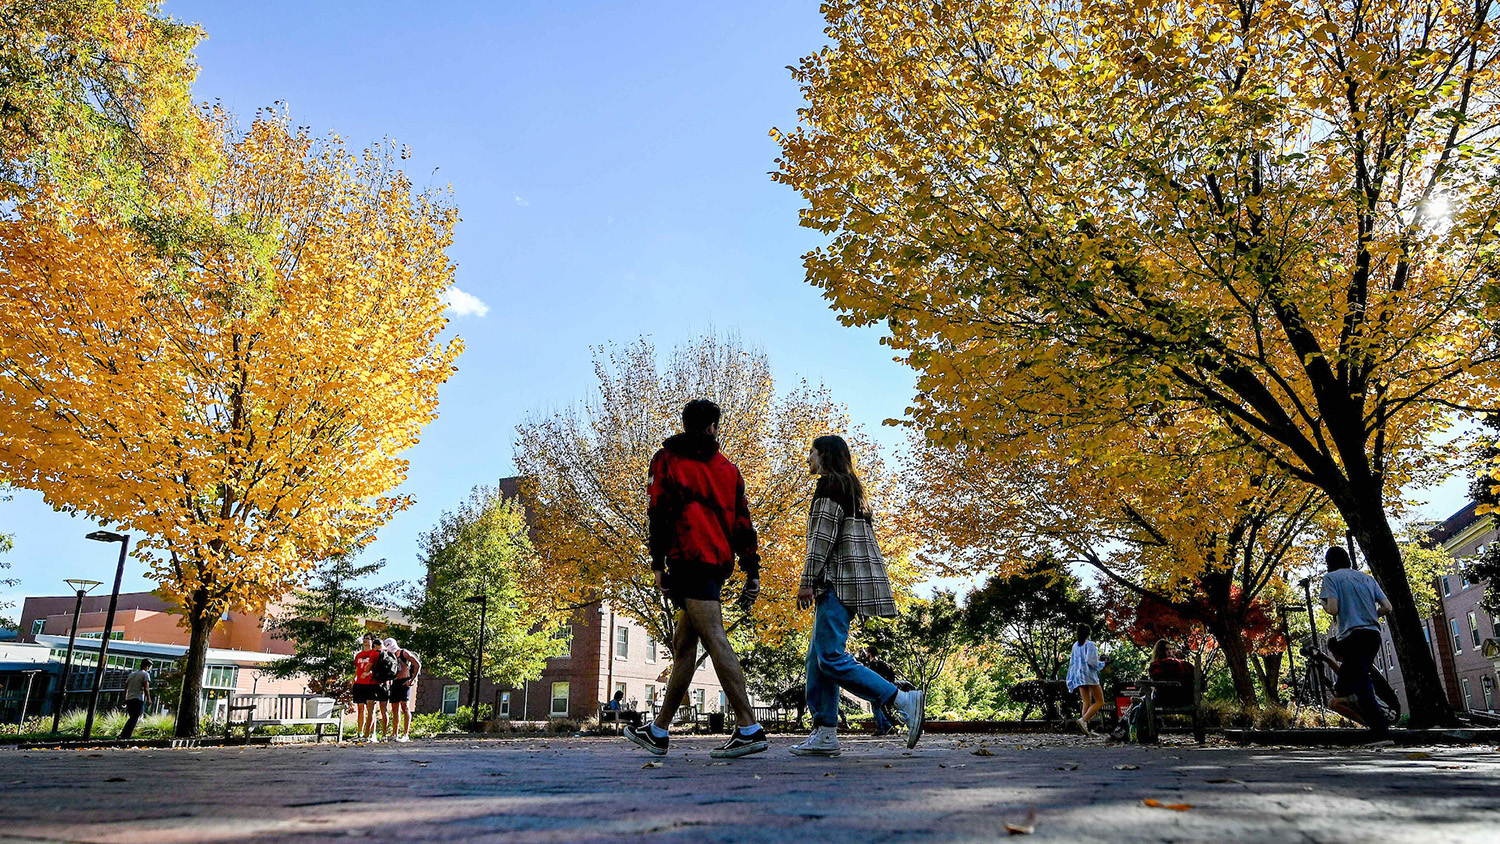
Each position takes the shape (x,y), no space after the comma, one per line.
(740,744)
(643,736)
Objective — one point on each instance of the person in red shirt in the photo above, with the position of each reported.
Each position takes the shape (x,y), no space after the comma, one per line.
(698,521)
(1167,666)
(367,692)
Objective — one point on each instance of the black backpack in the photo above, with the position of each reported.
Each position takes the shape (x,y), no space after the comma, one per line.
(385,668)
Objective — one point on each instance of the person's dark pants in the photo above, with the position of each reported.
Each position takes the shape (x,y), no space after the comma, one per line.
(1355,653)
(133,708)
(883,724)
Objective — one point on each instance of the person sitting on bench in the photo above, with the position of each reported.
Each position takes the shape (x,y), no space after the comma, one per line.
(1167,666)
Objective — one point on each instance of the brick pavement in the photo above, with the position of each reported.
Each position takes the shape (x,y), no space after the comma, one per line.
(597,790)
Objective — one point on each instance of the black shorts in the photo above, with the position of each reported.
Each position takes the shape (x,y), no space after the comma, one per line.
(371,693)
(400,691)
(695,584)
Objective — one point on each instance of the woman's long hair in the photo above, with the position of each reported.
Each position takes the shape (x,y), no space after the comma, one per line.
(838,464)
(1162,651)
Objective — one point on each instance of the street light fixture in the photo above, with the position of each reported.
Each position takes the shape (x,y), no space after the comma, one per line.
(483,600)
(109,623)
(82,587)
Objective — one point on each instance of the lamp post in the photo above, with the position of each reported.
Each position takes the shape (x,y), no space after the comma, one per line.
(483,600)
(82,587)
(109,623)
(26,699)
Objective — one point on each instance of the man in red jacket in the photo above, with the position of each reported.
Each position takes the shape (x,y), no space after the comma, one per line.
(699,521)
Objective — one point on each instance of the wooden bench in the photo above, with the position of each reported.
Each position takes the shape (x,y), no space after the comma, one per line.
(284,711)
(1152,710)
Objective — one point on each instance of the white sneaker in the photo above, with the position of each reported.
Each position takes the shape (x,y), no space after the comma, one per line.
(1084,725)
(824,741)
(374,739)
(913,705)
(403,739)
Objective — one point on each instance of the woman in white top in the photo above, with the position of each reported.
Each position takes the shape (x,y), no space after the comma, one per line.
(1083,676)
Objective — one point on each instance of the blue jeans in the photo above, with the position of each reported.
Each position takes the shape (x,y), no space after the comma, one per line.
(830,667)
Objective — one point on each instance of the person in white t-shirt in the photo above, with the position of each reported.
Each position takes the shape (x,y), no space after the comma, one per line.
(1356,602)
(1084,666)
(137,695)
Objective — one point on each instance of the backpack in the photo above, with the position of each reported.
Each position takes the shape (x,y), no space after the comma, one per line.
(385,668)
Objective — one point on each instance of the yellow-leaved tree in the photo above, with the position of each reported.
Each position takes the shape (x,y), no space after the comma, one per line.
(585,470)
(235,388)
(1282,212)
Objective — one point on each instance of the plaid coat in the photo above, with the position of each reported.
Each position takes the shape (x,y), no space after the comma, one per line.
(842,555)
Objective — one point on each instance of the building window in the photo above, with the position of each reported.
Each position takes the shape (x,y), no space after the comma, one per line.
(1487,685)
(1427,634)
(622,643)
(559,700)
(564,637)
(38,626)
(504,705)
(114,635)
(651,649)
(698,699)
(1446,590)
(450,699)
(621,689)
(1474,629)
(1458,644)
(1467,704)
(220,676)
(723,703)
(650,696)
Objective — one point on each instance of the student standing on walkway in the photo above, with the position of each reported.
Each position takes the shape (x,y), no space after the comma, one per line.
(367,692)
(402,688)
(1356,602)
(843,574)
(137,696)
(1084,666)
(698,522)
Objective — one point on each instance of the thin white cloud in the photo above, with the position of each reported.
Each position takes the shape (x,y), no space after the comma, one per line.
(521,202)
(464,304)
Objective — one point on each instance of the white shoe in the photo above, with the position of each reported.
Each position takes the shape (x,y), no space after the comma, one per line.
(913,705)
(1084,725)
(403,739)
(824,741)
(374,739)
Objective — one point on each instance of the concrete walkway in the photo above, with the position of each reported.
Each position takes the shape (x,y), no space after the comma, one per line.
(598,790)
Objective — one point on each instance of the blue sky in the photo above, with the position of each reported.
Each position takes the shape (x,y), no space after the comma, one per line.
(609,161)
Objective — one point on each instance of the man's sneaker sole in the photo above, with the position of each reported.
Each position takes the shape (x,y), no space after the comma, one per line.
(914,730)
(737,752)
(640,742)
(813,751)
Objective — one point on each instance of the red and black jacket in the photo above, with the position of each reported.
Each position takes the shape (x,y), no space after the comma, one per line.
(698,515)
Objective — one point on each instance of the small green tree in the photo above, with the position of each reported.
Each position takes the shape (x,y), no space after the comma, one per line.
(920,642)
(1031,616)
(481,548)
(772,667)
(326,619)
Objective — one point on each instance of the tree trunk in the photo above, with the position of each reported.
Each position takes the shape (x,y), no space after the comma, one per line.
(1366,517)
(1231,639)
(1270,677)
(189,708)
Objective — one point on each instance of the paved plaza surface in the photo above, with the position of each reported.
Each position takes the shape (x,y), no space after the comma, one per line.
(596,789)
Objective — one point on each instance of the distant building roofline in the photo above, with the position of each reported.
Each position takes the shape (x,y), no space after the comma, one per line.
(1456,523)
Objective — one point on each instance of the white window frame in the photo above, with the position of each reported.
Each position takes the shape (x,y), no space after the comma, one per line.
(37,626)
(552,705)
(1468,704)
(698,697)
(1474,630)
(622,642)
(504,705)
(1447,590)
(1458,642)
(651,650)
(450,696)
(1487,686)
(650,695)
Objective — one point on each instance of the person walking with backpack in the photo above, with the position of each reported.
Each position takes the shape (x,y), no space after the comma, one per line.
(402,687)
(698,521)
(368,694)
(843,574)
(1356,602)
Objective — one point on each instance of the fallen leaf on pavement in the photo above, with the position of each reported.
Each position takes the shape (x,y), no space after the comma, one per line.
(1176,807)
(1024,827)
(983,751)
(1420,754)
(1127,767)
(830,773)
(1071,766)
(651,765)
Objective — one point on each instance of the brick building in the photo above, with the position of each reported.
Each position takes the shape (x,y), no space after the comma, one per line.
(1458,631)
(606,652)
(146,627)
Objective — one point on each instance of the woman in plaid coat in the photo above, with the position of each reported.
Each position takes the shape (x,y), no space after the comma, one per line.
(842,575)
